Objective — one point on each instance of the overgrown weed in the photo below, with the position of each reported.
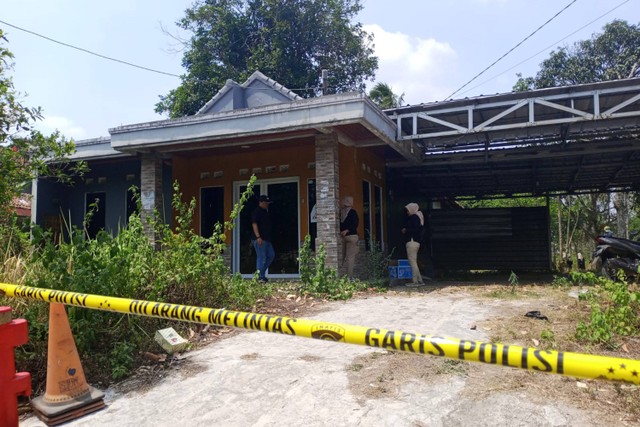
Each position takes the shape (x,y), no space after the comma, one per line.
(377,263)
(187,269)
(614,313)
(578,278)
(319,280)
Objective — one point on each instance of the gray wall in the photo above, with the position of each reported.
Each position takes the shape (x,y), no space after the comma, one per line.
(118,175)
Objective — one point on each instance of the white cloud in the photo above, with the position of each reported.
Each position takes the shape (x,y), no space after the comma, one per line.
(49,124)
(421,68)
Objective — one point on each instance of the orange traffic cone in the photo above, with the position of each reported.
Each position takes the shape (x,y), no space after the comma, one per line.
(67,396)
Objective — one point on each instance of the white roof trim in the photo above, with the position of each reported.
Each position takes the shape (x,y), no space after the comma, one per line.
(257,75)
(95,148)
(226,88)
(302,104)
(325,111)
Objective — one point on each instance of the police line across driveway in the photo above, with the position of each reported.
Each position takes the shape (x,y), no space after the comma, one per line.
(556,362)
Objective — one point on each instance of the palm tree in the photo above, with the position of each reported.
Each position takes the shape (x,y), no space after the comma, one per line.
(383,96)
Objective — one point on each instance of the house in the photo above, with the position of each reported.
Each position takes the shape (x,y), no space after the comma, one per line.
(309,153)
(22,205)
(306,154)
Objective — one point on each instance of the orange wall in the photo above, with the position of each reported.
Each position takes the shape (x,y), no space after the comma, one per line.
(297,154)
(357,165)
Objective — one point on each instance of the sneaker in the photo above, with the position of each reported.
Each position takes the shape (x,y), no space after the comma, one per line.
(263,279)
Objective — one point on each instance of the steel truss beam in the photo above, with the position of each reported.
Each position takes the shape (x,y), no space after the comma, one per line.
(530,110)
(566,140)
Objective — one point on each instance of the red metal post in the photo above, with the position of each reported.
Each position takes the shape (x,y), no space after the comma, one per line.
(13,333)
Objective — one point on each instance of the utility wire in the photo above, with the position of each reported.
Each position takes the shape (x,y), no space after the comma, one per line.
(511,50)
(88,51)
(546,48)
(129,63)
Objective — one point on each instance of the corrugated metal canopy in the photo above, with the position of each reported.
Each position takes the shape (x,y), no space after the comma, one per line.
(572,139)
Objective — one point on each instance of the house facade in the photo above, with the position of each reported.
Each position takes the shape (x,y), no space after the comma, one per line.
(309,153)
(306,154)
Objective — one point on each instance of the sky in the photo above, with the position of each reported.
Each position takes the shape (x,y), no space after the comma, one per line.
(427,50)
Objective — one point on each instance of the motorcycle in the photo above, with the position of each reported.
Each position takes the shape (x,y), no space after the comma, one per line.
(615,253)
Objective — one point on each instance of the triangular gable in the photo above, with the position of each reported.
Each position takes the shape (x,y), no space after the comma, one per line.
(257,91)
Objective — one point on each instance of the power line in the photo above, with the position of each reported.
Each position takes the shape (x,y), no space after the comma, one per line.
(511,50)
(546,48)
(88,51)
(131,64)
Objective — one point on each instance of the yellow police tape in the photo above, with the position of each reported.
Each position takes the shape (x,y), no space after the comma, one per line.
(556,362)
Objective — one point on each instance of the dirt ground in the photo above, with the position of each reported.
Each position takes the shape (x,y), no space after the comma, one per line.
(385,377)
(617,403)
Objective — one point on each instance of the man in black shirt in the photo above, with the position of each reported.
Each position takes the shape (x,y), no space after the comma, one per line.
(261,237)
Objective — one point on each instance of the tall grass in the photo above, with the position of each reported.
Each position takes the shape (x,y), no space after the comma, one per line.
(187,269)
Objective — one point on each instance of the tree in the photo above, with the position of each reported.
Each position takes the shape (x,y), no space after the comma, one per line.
(382,94)
(614,54)
(290,41)
(25,153)
(611,55)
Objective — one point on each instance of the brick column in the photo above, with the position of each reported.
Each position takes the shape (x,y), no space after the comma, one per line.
(327,196)
(150,190)
(227,256)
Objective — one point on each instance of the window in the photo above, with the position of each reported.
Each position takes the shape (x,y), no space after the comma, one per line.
(313,223)
(211,209)
(377,214)
(366,212)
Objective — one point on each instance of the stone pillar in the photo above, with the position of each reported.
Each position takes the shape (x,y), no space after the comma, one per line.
(227,256)
(327,196)
(150,190)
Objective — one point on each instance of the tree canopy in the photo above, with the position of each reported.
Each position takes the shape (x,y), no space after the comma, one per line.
(611,55)
(25,153)
(382,94)
(289,41)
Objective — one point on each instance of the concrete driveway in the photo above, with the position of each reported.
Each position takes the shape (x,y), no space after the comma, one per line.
(263,379)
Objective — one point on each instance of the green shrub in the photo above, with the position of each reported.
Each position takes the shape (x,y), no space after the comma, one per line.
(548,339)
(513,281)
(578,278)
(615,311)
(183,268)
(122,361)
(317,279)
(377,264)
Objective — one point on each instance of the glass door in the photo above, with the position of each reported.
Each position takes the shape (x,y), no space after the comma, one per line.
(211,209)
(285,214)
(366,214)
(244,256)
(377,215)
